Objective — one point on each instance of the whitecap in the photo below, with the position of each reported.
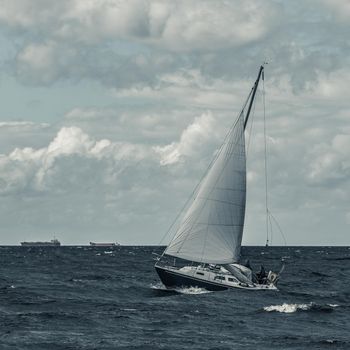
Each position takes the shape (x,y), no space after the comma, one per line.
(288,308)
(158,286)
(78,280)
(108,252)
(192,290)
(333,305)
(183,290)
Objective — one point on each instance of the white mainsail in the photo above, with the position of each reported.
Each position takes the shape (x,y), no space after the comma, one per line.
(211,230)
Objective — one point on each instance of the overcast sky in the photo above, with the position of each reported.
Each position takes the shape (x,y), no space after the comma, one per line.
(111,110)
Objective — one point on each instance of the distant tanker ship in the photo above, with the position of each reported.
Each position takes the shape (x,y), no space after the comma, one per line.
(53,243)
(102,244)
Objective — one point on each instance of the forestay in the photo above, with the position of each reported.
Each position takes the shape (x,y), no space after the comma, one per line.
(211,230)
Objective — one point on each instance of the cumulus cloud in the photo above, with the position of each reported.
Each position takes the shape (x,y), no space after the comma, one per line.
(139,43)
(330,165)
(95,184)
(181,25)
(206,25)
(28,14)
(191,140)
(127,43)
(43,62)
(33,169)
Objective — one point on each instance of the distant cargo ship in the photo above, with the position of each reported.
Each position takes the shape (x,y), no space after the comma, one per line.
(53,243)
(94,244)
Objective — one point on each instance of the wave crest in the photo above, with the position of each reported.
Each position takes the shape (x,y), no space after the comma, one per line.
(192,290)
(183,290)
(287,308)
(290,308)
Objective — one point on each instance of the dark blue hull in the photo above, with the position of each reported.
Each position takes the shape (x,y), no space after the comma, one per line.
(171,279)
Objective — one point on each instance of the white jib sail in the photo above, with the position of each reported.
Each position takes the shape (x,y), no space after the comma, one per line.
(211,230)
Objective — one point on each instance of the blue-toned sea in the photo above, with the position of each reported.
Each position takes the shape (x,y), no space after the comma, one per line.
(111,298)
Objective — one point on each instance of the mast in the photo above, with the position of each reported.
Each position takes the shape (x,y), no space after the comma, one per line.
(255,87)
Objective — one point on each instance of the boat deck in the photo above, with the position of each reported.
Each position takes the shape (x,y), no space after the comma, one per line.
(198,276)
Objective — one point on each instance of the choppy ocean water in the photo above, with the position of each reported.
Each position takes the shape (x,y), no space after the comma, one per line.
(111,298)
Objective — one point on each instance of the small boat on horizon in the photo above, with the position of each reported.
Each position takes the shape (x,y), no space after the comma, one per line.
(53,243)
(103,244)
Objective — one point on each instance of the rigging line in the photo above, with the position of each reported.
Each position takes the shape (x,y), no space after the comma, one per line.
(177,217)
(270,227)
(265,158)
(279,228)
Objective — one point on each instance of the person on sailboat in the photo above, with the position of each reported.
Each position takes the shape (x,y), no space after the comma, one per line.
(247,264)
(261,275)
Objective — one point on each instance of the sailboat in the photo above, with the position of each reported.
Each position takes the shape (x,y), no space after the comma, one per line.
(205,251)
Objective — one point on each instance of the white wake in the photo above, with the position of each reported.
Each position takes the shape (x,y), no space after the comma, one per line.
(183,290)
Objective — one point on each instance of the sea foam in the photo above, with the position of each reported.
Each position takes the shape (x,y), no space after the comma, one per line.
(290,308)
(183,290)
(192,290)
(287,308)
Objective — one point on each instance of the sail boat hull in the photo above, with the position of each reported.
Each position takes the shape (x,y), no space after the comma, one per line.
(172,279)
(212,281)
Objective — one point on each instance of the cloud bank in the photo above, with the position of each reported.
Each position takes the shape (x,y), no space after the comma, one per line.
(171,77)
